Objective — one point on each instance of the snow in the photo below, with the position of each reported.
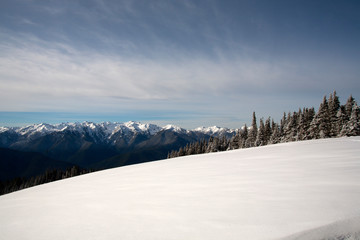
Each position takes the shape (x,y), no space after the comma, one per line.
(269,192)
(3,129)
(214,130)
(174,128)
(106,129)
(348,229)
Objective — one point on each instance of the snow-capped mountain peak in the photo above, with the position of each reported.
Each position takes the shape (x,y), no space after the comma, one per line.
(214,130)
(4,129)
(139,127)
(107,132)
(174,128)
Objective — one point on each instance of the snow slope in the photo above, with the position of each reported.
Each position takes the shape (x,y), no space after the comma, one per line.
(269,192)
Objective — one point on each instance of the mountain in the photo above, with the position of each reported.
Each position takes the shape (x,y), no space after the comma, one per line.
(299,190)
(103,145)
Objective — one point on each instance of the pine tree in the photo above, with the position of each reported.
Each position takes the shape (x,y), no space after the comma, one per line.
(352,127)
(234,141)
(275,136)
(301,132)
(323,119)
(341,120)
(349,106)
(260,138)
(268,130)
(290,131)
(309,115)
(243,136)
(334,106)
(252,134)
(283,123)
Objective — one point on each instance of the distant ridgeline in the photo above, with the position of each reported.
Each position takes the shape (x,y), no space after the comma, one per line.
(331,120)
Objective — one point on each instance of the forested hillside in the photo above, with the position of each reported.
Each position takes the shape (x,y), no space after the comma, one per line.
(331,120)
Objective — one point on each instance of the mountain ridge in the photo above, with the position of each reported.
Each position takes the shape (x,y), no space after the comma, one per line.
(109,128)
(106,144)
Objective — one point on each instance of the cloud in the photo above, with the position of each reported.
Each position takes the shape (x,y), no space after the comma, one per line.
(34,68)
(36,74)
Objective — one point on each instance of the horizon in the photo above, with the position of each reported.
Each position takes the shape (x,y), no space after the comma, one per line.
(186,63)
(21,119)
(111,122)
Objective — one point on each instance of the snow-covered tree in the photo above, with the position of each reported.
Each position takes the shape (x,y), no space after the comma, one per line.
(349,106)
(261,138)
(334,105)
(324,119)
(352,127)
(243,136)
(290,131)
(276,135)
(252,134)
(268,130)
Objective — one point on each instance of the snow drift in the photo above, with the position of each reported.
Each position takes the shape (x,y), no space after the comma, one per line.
(269,192)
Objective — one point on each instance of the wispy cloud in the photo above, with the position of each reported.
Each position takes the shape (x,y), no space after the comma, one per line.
(33,69)
(202,57)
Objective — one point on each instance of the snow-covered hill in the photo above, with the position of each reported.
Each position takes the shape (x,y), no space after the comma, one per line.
(269,192)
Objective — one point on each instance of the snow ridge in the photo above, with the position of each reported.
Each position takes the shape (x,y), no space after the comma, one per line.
(215,130)
(108,129)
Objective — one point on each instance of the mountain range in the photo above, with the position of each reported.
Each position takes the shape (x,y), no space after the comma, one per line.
(101,145)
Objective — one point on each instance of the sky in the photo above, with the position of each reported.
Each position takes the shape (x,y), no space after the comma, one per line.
(188,63)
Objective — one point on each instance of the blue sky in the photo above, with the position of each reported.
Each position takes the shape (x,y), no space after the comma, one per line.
(189,63)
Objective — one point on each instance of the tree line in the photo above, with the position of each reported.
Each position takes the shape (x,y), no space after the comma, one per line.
(331,120)
(49,176)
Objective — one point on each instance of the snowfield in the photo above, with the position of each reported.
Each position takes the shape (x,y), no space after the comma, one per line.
(299,190)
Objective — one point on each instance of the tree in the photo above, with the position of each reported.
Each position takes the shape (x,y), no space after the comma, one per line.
(334,106)
(301,132)
(234,141)
(260,138)
(283,123)
(290,131)
(308,116)
(268,130)
(250,142)
(275,136)
(243,136)
(349,106)
(352,127)
(323,119)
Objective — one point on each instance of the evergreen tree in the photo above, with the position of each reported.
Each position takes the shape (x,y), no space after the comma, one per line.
(243,136)
(301,132)
(268,130)
(349,106)
(250,142)
(276,135)
(313,130)
(234,141)
(352,127)
(308,118)
(260,138)
(334,106)
(290,131)
(324,119)
(283,123)
(341,120)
